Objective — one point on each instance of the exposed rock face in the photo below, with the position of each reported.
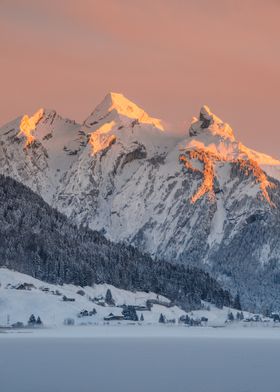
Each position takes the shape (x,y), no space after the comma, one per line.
(212,124)
(196,201)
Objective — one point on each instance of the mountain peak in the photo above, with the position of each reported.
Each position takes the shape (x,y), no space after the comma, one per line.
(212,141)
(117,105)
(28,125)
(209,123)
(118,98)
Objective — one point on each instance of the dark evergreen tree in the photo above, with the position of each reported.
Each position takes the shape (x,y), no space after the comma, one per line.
(219,302)
(230,316)
(236,303)
(39,321)
(109,298)
(161,319)
(141,317)
(32,320)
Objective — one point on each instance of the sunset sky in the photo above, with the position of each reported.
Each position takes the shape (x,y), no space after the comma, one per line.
(170,57)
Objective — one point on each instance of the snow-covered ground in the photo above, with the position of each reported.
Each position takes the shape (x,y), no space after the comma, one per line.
(126,356)
(46,301)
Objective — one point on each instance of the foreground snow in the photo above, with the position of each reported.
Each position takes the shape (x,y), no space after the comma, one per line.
(142,331)
(150,365)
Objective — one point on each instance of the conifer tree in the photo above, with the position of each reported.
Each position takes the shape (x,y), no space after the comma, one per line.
(237,304)
(32,320)
(109,298)
(161,319)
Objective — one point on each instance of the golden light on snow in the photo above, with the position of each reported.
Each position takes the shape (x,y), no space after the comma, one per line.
(28,125)
(208,160)
(212,141)
(99,139)
(251,167)
(128,109)
(207,186)
(113,114)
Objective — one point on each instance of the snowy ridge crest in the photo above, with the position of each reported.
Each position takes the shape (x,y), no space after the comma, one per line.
(116,105)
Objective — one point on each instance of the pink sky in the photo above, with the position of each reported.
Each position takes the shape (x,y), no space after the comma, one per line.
(170,57)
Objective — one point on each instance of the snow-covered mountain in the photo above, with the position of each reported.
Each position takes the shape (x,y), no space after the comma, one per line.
(193,200)
(38,150)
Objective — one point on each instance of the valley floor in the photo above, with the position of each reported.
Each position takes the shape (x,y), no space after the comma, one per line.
(129,358)
(138,331)
(97,355)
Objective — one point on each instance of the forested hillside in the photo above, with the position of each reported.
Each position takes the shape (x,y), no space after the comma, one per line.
(37,240)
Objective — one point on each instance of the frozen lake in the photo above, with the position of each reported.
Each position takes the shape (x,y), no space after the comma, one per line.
(117,364)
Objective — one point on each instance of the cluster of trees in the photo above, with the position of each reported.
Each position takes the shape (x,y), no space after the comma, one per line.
(33,321)
(193,322)
(239,316)
(37,240)
(129,313)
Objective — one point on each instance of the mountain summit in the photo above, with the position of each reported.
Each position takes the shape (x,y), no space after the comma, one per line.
(117,105)
(211,143)
(210,123)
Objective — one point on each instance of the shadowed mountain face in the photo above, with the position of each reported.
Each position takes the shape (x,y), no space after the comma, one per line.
(37,240)
(206,200)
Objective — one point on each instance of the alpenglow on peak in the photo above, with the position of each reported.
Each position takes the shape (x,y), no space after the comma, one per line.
(117,105)
(209,123)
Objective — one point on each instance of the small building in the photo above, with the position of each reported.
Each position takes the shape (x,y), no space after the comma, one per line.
(67,299)
(112,317)
(69,321)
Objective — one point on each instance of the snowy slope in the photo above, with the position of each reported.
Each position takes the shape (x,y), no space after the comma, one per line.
(18,305)
(42,299)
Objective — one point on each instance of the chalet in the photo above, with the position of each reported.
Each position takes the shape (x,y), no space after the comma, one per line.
(24,286)
(112,317)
